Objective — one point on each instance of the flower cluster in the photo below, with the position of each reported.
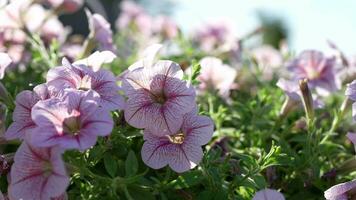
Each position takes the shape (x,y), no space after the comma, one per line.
(69,111)
(163,104)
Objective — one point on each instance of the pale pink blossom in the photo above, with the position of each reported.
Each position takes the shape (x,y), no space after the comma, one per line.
(318,69)
(82,77)
(214,36)
(73,122)
(182,150)
(165,27)
(5,61)
(157,97)
(38,173)
(133,16)
(267,56)
(216,75)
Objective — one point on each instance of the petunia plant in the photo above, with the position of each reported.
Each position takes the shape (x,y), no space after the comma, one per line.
(140,110)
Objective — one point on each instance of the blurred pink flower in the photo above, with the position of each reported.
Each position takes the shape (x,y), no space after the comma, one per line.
(66,5)
(101,31)
(71,51)
(134,17)
(5,61)
(214,35)
(73,122)
(25,100)
(318,69)
(38,173)
(165,27)
(82,77)
(53,29)
(214,74)
(181,151)
(157,97)
(20,15)
(267,56)
(268,194)
(343,191)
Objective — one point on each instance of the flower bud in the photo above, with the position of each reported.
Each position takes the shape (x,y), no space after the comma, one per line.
(307,99)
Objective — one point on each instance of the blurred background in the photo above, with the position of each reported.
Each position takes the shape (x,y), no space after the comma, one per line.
(304,23)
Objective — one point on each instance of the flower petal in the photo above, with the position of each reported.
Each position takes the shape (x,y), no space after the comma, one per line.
(154,151)
(268,194)
(199,129)
(339,192)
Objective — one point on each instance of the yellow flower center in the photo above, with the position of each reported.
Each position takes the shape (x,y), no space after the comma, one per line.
(177,138)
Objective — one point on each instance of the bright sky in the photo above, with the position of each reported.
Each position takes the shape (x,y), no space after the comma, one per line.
(311,22)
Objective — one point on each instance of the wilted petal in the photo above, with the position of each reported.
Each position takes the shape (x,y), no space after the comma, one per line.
(339,192)
(268,194)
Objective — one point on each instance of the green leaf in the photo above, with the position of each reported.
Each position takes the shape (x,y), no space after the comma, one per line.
(131,164)
(110,165)
(187,180)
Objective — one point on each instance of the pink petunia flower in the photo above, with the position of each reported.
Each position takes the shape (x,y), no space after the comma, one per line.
(25,100)
(101,31)
(82,77)
(318,69)
(215,35)
(38,173)
(214,74)
(165,27)
(268,60)
(181,151)
(343,191)
(133,16)
(73,122)
(157,97)
(5,61)
(268,194)
(267,56)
